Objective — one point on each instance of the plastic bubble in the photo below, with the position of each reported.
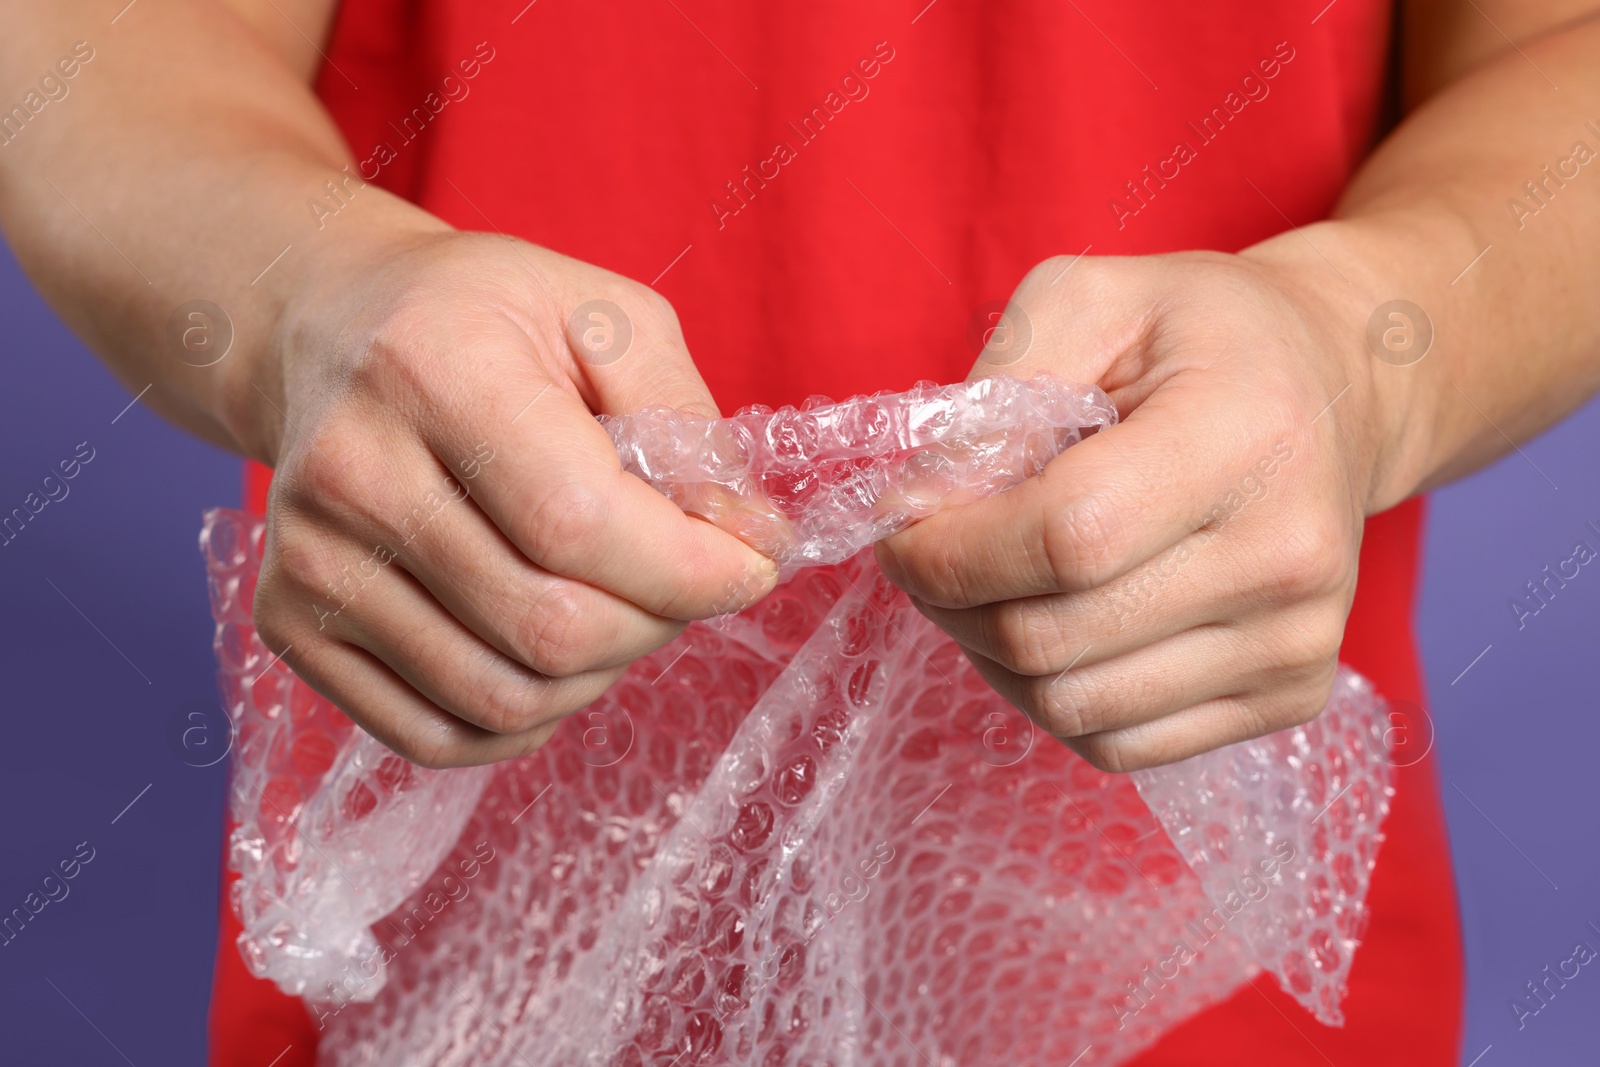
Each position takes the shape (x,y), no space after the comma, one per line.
(815,836)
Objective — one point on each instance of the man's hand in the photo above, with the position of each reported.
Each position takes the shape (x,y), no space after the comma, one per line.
(454,556)
(1182,580)
(1179,581)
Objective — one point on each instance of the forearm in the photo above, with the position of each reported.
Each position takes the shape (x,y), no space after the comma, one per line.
(1508,292)
(176,165)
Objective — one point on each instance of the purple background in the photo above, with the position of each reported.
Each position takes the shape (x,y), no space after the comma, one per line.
(119,972)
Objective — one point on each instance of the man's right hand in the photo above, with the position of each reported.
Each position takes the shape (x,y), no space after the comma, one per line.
(453,555)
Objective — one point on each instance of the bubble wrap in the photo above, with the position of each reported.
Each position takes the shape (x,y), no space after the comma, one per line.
(817,484)
(804,835)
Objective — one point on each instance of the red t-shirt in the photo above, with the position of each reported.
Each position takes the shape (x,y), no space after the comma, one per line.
(829,192)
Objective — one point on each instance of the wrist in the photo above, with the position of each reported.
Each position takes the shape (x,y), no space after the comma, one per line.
(1368,348)
(311,302)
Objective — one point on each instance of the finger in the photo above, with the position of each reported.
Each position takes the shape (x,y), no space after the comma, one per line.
(754,520)
(393,618)
(553,484)
(1202,579)
(1096,512)
(1205,726)
(555,626)
(1195,666)
(391,710)
(656,369)
(1075,317)
(618,341)
(1179,589)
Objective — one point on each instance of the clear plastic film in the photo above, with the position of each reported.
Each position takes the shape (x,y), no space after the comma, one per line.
(804,834)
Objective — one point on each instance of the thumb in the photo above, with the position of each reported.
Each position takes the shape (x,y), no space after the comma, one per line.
(633,355)
(637,359)
(1072,316)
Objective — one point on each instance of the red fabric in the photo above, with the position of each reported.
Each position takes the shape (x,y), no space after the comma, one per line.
(992,134)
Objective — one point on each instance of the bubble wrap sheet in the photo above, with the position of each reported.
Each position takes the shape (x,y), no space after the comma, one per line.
(805,835)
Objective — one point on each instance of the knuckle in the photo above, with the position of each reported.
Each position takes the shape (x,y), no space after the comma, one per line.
(432,750)
(1140,590)
(1310,700)
(1083,543)
(272,622)
(429,739)
(1112,754)
(1027,639)
(513,703)
(1279,411)
(479,686)
(647,304)
(1303,649)
(550,633)
(1049,269)
(266,608)
(1304,710)
(384,359)
(648,311)
(1062,273)
(539,706)
(1283,709)
(568,514)
(1313,560)
(925,565)
(1325,651)
(1062,706)
(536,738)
(298,561)
(325,471)
(395,352)
(340,475)
(658,308)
